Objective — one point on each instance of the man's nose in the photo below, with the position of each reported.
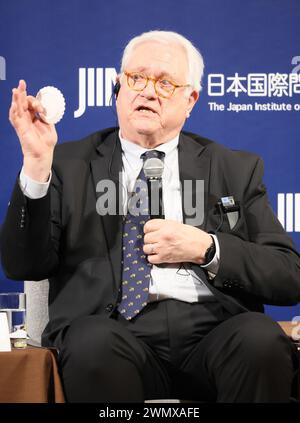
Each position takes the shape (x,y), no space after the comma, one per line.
(149,90)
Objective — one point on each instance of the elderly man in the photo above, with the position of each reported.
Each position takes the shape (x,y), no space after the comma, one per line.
(153,308)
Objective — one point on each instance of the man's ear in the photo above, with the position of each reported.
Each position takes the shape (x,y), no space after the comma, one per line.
(193,98)
(117,87)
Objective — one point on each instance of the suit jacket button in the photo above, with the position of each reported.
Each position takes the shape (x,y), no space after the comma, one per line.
(109,308)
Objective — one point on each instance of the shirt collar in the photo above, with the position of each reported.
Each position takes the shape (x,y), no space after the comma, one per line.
(133,151)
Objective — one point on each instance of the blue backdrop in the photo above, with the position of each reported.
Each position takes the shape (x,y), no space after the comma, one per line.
(252,60)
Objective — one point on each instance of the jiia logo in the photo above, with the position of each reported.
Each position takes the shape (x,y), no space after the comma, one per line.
(2,69)
(288,211)
(94,88)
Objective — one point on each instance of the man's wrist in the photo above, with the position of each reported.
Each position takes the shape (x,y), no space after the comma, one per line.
(204,242)
(38,169)
(31,188)
(210,252)
(212,267)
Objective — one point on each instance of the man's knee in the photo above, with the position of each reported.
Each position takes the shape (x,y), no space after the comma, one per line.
(260,340)
(95,340)
(97,358)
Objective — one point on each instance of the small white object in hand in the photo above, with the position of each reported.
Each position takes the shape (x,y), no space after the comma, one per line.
(54,104)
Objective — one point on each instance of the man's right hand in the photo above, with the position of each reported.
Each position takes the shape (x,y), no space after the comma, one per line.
(37,138)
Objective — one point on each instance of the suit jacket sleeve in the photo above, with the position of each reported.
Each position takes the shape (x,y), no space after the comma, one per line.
(264,264)
(30,235)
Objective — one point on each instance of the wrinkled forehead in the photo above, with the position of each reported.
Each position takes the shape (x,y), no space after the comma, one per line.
(159,58)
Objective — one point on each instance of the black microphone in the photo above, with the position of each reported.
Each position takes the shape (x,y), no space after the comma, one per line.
(153,169)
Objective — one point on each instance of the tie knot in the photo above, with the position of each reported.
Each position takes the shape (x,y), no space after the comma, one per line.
(153,154)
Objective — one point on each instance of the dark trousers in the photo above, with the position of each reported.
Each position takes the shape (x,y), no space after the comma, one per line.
(174,349)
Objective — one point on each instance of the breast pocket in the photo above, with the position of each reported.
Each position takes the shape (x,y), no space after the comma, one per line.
(232,222)
(237,223)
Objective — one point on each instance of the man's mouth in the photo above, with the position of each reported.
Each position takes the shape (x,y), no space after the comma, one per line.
(145,109)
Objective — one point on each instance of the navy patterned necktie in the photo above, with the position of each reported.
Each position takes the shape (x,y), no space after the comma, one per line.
(136,268)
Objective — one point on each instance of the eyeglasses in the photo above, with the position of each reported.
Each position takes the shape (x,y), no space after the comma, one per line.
(138,81)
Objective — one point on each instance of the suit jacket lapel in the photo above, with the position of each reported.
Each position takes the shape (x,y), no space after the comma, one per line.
(194,171)
(108,166)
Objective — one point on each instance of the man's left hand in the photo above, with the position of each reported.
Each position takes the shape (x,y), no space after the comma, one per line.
(168,241)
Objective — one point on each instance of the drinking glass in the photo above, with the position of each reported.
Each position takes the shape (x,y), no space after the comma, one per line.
(14,305)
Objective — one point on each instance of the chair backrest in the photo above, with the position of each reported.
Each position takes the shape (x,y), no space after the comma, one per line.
(37,315)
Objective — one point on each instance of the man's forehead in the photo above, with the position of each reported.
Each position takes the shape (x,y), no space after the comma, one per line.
(158,71)
(160,59)
(160,51)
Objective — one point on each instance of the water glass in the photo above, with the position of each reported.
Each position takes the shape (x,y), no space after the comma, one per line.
(14,304)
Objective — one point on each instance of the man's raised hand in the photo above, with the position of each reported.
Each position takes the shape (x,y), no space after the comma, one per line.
(37,138)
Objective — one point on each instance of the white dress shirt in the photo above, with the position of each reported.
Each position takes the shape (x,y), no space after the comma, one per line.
(176,280)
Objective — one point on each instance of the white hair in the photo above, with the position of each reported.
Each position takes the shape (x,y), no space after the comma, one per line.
(194,57)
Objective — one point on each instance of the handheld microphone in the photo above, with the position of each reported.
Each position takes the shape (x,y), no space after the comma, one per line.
(153,169)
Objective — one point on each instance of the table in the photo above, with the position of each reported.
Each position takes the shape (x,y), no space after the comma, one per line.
(30,375)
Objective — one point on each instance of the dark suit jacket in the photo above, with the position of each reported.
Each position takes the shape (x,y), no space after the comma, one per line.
(63,238)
